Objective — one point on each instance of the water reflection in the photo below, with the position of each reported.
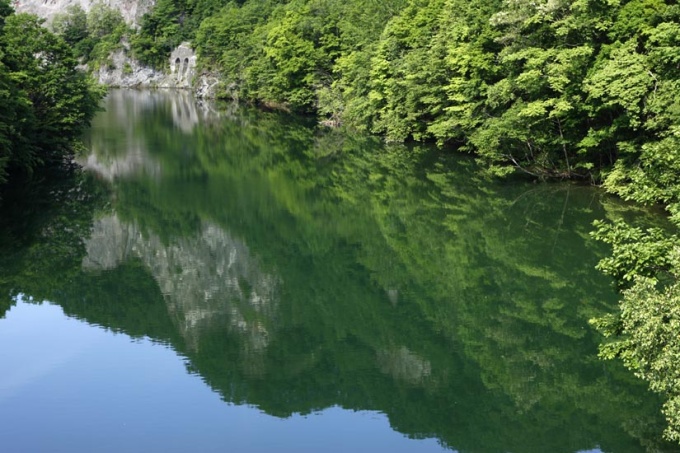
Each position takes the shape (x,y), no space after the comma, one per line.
(118,146)
(207,279)
(299,269)
(138,397)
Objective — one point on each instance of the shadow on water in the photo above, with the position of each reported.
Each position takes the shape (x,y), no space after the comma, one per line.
(299,268)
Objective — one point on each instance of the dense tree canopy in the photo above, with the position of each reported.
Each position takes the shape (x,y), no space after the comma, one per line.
(46,102)
(93,35)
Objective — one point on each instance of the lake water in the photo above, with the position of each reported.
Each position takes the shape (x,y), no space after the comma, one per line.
(224,279)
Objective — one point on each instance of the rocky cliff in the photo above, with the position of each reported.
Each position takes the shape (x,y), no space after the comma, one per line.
(125,72)
(132,10)
(122,70)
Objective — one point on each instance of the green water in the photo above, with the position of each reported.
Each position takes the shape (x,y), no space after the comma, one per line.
(299,273)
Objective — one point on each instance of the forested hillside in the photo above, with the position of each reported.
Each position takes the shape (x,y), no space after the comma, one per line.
(45,102)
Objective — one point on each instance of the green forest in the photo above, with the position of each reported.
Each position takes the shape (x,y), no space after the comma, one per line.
(46,102)
(554,89)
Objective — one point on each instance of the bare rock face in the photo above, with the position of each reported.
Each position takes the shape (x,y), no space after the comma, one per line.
(205,86)
(132,10)
(122,70)
(126,72)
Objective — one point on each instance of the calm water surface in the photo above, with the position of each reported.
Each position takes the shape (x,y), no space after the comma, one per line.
(233,280)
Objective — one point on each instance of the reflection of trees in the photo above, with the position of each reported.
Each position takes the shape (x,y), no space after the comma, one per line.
(42,223)
(394,280)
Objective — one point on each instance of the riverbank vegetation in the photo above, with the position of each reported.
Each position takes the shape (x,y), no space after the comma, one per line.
(45,101)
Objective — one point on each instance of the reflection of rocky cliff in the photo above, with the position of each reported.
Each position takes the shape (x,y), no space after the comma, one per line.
(185,113)
(208,280)
(123,151)
(135,160)
(404,365)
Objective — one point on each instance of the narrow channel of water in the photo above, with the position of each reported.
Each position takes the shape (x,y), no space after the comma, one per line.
(228,279)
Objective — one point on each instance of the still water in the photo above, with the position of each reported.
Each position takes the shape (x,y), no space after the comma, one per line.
(222,279)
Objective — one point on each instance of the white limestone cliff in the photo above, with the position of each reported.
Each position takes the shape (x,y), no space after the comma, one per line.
(126,72)
(123,71)
(132,10)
